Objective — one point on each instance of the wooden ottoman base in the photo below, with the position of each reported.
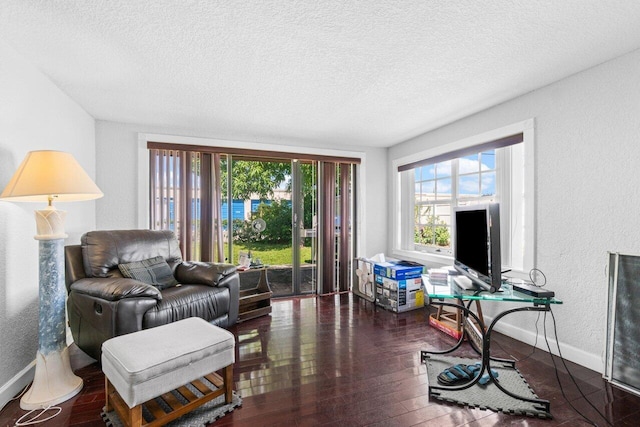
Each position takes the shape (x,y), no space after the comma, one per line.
(132,417)
(143,366)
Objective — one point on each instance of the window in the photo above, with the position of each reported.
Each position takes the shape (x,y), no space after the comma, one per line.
(441,186)
(467,173)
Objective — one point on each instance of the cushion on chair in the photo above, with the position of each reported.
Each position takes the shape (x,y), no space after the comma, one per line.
(153,271)
(103,250)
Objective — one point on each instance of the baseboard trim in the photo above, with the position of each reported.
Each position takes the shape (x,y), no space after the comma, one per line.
(588,360)
(16,384)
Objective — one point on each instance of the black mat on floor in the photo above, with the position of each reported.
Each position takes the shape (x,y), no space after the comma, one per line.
(199,417)
(488,396)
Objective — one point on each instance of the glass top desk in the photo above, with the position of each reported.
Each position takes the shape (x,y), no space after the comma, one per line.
(440,293)
(450,290)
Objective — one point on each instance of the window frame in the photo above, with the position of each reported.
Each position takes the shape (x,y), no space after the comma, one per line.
(515,236)
(502,162)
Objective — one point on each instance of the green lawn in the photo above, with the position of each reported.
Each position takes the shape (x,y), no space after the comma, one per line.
(269,253)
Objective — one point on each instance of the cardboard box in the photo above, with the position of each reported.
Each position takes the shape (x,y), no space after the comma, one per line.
(382,300)
(399,284)
(399,270)
(473,332)
(399,296)
(444,325)
(411,300)
(446,321)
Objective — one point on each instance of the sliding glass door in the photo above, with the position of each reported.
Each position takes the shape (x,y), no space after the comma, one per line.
(272,209)
(305,224)
(262,211)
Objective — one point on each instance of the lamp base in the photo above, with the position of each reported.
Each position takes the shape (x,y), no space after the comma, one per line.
(54,381)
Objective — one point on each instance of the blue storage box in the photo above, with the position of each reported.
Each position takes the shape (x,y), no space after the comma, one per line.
(399,270)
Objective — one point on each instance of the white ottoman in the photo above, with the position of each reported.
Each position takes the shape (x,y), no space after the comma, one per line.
(143,365)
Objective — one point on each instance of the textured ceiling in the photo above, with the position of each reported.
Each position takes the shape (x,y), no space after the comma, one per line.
(371,73)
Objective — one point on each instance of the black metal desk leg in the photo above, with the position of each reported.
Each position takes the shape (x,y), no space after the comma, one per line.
(487,359)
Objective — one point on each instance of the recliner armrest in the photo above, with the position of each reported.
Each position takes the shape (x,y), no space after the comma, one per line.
(204,273)
(113,289)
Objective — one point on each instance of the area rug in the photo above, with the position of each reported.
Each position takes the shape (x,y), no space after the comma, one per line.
(488,396)
(199,417)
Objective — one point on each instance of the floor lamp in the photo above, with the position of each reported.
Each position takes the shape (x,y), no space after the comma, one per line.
(45,176)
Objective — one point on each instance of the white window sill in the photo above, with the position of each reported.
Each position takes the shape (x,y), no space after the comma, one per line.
(426,258)
(432,260)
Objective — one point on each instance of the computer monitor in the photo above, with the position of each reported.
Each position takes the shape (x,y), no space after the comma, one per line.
(476,231)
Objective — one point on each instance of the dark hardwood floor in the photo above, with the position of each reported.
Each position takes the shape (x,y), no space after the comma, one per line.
(339,361)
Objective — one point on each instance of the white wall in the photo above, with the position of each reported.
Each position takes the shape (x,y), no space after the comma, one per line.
(120,158)
(587,136)
(34,115)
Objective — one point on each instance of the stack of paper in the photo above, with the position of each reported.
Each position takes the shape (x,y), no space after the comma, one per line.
(438,275)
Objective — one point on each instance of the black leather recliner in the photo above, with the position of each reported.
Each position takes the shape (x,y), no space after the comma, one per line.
(103,303)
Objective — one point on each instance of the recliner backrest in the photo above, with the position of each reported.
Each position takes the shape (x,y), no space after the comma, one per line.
(73,265)
(103,250)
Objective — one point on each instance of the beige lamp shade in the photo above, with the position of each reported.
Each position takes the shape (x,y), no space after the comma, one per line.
(50,175)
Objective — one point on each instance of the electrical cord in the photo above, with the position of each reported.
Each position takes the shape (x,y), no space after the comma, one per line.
(535,343)
(37,419)
(555,331)
(532,274)
(510,280)
(24,390)
(533,280)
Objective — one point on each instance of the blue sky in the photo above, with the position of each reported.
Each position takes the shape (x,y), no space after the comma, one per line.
(469,167)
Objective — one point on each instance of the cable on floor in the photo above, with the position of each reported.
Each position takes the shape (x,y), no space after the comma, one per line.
(36,419)
(534,344)
(24,390)
(555,331)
